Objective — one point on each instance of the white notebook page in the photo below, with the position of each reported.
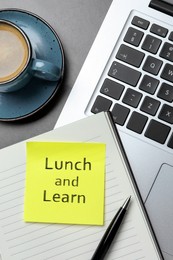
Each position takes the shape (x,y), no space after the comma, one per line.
(39,241)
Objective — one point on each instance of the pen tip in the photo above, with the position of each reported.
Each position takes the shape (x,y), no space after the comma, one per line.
(126,203)
(129,198)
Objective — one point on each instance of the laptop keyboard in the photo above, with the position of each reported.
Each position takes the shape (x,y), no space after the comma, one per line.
(137,84)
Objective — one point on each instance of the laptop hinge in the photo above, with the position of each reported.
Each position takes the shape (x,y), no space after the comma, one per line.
(162,6)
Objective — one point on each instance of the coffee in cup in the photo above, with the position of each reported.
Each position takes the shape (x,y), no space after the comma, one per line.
(14,52)
(18,61)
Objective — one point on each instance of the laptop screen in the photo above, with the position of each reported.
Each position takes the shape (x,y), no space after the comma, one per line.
(164,6)
(167,1)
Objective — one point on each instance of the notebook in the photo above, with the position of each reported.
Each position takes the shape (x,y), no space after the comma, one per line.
(129,71)
(21,240)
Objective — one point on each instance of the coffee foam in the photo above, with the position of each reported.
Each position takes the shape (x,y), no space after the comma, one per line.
(13,52)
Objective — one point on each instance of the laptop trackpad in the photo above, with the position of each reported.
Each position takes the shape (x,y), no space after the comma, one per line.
(159,205)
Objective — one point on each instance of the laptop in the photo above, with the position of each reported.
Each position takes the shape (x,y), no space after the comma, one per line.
(129,71)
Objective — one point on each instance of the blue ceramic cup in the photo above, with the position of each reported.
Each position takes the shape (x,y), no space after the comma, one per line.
(18,61)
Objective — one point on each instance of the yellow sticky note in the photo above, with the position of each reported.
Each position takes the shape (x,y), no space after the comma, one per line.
(65,183)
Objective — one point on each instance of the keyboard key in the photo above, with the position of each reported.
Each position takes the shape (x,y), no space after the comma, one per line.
(140,22)
(159,30)
(167,51)
(157,131)
(167,72)
(149,84)
(166,114)
(101,104)
(132,97)
(171,36)
(133,36)
(137,122)
(150,106)
(112,89)
(170,142)
(152,65)
(130,55)
(120,114)
(124,73)
(166,92)
(151,44)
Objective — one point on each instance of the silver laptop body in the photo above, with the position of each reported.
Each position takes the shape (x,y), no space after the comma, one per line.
(129,71)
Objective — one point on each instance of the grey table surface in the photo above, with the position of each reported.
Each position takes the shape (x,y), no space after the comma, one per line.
(77,23)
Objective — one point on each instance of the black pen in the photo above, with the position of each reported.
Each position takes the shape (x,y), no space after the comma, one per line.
(110,232)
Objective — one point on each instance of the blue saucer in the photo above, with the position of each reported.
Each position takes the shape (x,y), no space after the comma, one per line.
(38,93)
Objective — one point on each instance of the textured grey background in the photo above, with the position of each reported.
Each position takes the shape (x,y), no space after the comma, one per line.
(77,23)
